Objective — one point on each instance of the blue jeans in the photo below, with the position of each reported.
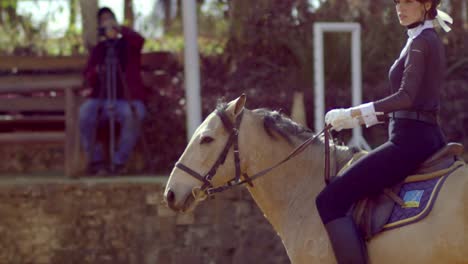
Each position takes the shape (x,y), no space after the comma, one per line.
(129,127)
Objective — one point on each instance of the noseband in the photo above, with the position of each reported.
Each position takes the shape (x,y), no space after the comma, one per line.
(233,141)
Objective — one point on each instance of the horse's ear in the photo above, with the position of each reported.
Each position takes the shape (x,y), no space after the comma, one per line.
(236,106)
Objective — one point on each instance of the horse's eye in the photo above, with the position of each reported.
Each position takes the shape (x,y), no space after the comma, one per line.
(206,140)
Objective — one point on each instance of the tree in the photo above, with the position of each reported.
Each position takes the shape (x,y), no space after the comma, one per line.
(89,10)
(8,11)
(269,50)
(74,5)
(129,16)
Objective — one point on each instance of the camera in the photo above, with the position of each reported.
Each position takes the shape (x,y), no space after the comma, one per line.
(103,32)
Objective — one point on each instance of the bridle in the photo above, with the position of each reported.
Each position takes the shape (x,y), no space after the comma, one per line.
(233,140)
(207,189)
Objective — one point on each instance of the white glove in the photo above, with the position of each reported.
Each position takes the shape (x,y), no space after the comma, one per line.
(341,119)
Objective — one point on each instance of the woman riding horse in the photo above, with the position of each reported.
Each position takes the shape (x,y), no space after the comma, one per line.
(414,133)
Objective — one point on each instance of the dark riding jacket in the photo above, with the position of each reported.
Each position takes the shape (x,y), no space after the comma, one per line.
(416,76)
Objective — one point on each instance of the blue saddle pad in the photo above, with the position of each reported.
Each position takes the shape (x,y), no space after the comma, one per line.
(419,199)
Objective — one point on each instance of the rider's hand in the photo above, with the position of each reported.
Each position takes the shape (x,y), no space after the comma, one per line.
(341,119)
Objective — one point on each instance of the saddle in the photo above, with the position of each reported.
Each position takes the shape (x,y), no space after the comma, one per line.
(377,214)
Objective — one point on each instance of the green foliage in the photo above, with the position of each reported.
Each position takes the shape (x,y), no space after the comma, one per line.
(20,34)
(5,4)
(172,44)
(175,44)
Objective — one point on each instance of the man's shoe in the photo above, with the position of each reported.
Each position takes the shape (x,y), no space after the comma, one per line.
(97,169)
(119,169)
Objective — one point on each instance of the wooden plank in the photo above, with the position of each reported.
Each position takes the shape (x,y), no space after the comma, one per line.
(152,80)
(156,60)
(150,60)
(39,83)
(35,119)
(39,63)
(71,129)
(32,137)
(32,104)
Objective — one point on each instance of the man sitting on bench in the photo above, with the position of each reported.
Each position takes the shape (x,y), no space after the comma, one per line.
(117,94)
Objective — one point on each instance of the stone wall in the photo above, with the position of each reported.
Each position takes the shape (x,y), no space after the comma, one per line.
(37,159)
(124,221)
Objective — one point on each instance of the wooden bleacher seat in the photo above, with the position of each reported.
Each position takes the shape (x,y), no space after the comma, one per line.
(21,107)
(39,100)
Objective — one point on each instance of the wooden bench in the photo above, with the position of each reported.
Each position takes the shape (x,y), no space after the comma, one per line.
(42,92)
(25,108)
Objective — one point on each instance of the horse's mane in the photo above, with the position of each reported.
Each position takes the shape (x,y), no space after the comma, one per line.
(275,121)
(221,106)
(277,124)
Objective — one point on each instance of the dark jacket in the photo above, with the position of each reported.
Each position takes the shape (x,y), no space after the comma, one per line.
(130,60)
(416,78)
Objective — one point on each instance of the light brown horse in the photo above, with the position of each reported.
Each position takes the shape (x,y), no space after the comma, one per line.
(287,194)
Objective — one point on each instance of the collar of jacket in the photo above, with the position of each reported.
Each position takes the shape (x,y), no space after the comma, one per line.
(414,32)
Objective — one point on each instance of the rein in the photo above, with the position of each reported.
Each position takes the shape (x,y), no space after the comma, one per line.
(207,188)
(327,134)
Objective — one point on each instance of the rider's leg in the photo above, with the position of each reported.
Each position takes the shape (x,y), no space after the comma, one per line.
(335,200)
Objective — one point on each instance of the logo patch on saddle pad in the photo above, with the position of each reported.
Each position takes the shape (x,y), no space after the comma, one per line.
(413,198)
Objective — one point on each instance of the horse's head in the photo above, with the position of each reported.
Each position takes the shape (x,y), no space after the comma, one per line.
(206,161)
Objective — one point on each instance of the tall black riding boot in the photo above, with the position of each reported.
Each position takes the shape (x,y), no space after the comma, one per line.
(347,243)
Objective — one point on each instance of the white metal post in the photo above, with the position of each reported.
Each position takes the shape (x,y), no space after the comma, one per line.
(319,91)
(191,67)
(356,78)
(356,74)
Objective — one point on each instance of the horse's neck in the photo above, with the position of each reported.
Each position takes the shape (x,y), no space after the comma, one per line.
(287,194)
